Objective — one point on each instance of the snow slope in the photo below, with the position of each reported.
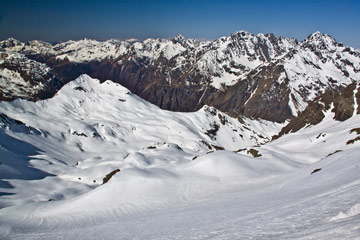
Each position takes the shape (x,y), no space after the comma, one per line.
(89,123)
(55,155)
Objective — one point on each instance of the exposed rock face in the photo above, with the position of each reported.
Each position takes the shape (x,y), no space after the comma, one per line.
(260,95)
(261,76)
(344,103)
(341,103)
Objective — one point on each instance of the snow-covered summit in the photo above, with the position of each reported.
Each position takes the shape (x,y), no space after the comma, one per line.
(320,41)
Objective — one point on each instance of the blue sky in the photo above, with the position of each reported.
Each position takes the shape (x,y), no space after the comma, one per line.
(54,20)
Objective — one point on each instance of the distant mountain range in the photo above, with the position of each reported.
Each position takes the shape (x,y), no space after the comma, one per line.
(262,76)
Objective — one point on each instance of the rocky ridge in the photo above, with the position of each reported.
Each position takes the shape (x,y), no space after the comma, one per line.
(262,76)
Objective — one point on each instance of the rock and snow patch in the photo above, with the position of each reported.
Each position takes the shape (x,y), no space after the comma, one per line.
(21,77)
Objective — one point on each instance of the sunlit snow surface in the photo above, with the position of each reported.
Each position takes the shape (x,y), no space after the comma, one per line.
(170,185)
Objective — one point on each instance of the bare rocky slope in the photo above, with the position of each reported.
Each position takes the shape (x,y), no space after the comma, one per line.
(344,104)
(262,76)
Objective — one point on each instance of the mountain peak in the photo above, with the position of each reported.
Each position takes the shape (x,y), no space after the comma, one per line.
(322,41)
(11,39)
(318,34)
(242,34)
(179,37)
(10,42)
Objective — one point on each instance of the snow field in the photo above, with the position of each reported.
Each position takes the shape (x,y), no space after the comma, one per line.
(170,184)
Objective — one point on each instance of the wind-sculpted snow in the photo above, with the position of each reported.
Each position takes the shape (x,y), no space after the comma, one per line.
(169,175)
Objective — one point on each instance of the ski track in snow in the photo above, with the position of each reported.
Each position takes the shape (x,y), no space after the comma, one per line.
(170,186)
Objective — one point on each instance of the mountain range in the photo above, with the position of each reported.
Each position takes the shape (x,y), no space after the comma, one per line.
(243,137)
(263,76)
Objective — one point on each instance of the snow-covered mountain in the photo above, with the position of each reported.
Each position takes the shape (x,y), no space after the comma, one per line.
(88,120)
(98,162)
(260,76)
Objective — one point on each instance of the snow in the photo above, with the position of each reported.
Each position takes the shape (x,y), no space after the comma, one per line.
(353,211)
(294,106)
(356,106)
(153,48)
(226,79)
(170,186)
(87,50)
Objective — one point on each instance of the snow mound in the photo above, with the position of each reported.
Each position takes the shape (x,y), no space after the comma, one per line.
(230,165)
(353,211)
